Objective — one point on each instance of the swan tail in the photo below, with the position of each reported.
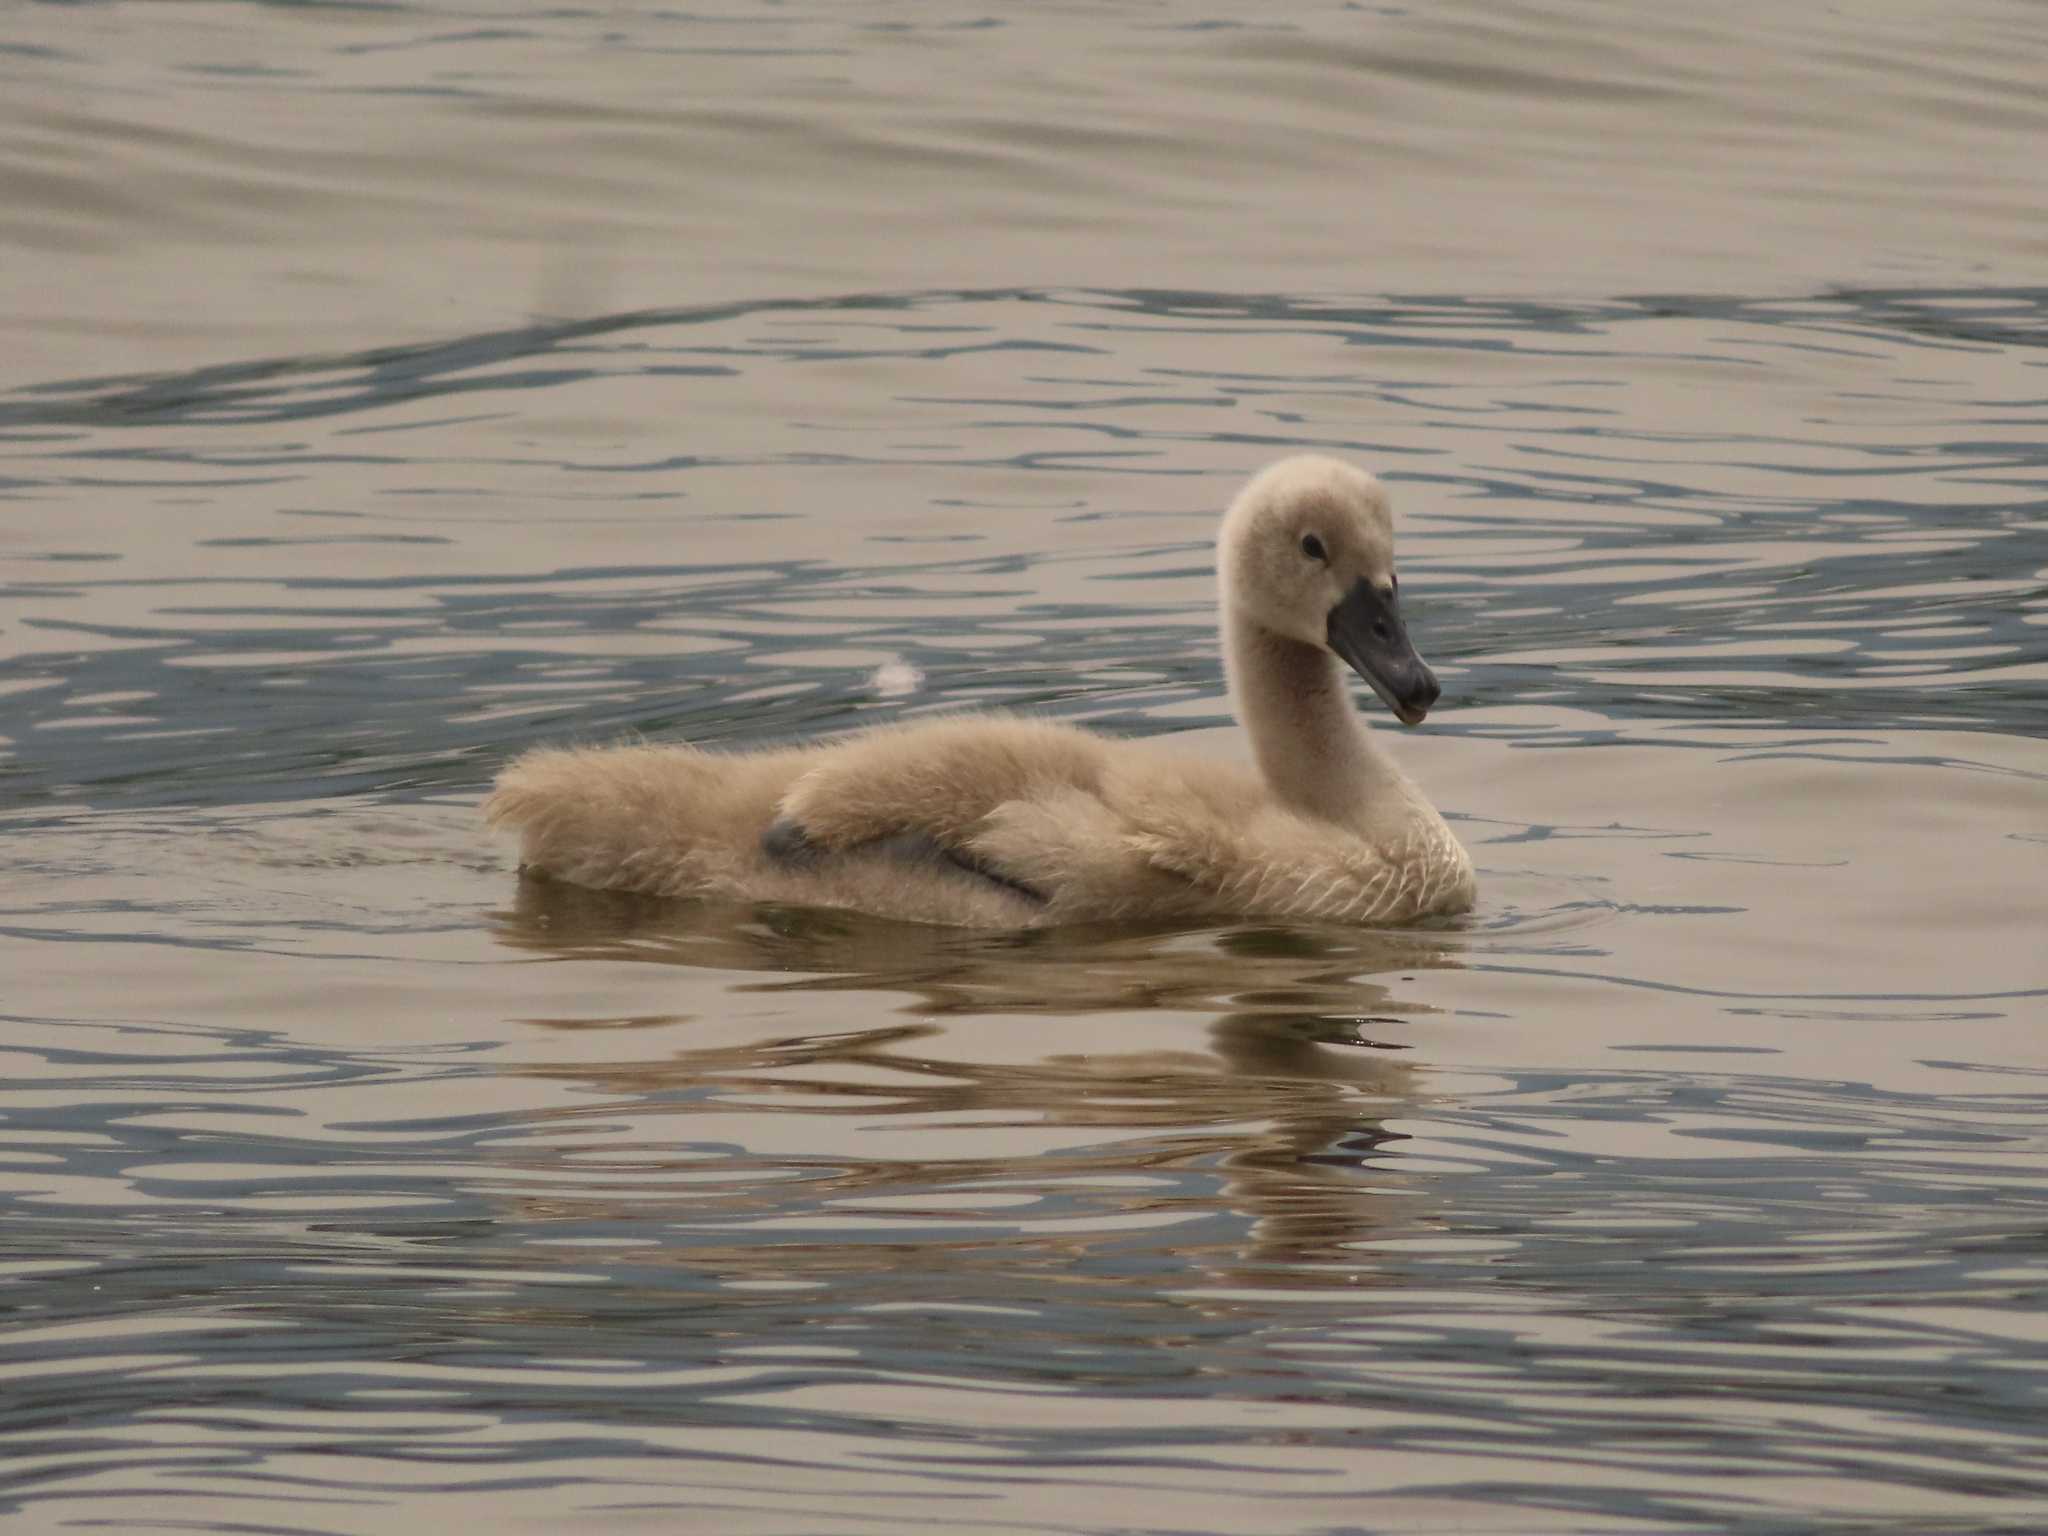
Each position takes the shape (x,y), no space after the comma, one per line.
(658,820)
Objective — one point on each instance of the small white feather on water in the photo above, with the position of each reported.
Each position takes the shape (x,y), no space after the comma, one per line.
(895,679)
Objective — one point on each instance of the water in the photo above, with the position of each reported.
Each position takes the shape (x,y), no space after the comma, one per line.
(393,388)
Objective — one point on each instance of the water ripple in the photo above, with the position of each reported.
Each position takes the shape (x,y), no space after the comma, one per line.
(1832,581)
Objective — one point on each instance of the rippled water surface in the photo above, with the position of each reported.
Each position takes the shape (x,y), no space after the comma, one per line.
(392,388)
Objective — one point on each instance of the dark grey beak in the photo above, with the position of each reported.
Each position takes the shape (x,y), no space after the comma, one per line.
(1366,630)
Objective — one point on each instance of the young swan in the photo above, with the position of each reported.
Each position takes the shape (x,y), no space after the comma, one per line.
(999,821)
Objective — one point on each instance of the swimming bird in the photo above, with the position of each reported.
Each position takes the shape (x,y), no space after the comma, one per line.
(1004,821)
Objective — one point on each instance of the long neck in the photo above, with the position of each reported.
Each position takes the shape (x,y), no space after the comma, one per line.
(1318,756)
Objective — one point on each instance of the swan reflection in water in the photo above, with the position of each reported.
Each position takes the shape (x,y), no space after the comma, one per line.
(1277,1115)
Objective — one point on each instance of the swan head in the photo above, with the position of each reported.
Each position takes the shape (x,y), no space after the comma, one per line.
(1307,553)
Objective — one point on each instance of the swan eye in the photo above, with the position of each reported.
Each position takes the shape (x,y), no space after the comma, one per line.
(1313,548)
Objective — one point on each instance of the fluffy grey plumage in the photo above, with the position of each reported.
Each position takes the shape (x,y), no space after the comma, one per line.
(998,821)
